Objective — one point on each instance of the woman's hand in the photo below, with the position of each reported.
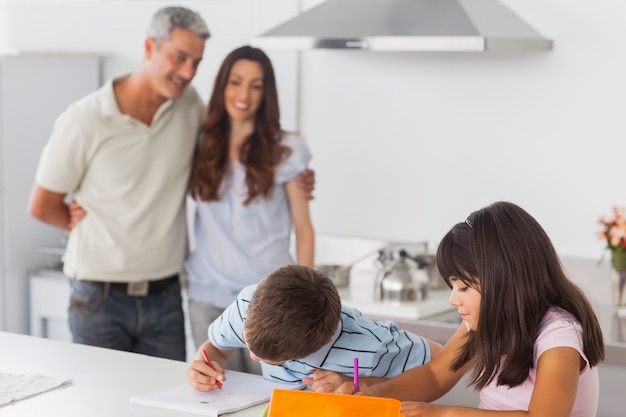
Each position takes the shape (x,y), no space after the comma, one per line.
(77,213)
(325,381)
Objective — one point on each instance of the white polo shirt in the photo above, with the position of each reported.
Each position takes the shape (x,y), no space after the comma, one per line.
(130,178)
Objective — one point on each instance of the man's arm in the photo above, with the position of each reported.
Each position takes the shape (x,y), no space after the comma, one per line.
(49,207)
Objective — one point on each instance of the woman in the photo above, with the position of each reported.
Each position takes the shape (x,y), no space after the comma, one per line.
(244,182)
(529,335)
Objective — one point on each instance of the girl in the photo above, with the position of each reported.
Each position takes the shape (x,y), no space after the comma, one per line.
(244,181)
(529,336)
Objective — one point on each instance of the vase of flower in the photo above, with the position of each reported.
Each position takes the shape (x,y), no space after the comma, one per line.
(614,233)
(618,261)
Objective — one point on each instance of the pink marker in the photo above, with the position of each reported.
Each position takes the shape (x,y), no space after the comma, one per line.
(356,375)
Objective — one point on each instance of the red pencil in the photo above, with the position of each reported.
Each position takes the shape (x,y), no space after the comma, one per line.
(208,362)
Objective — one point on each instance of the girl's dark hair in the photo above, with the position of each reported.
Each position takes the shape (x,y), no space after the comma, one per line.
(260,153)
(504,252)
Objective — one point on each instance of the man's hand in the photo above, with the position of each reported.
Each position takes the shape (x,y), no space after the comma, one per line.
(325,381)
(306,181)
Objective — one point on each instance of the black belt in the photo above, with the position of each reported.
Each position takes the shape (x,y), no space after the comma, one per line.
(141,288)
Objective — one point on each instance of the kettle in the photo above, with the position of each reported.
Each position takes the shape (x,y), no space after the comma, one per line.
(395,279)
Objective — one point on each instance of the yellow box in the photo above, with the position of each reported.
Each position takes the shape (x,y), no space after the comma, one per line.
(291,403)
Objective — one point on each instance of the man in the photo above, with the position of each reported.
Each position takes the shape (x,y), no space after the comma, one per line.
(124,151)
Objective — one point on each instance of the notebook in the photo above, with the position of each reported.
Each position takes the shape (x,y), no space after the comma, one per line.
(240,390)
(285,403)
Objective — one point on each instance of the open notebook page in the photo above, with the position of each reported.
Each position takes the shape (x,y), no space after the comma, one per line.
(240,390)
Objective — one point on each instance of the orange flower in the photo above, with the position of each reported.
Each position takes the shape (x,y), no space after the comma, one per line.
(614,232)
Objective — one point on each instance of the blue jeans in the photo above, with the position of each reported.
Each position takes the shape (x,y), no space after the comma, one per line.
(153,324)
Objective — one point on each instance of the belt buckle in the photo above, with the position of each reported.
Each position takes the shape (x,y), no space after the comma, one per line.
(138,289)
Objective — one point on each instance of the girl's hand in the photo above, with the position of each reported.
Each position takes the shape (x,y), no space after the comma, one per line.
(415,409)
(364,387)
(325,381)
(346,388)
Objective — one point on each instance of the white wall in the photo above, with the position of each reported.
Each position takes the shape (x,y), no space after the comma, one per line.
(407,144)
(117,28)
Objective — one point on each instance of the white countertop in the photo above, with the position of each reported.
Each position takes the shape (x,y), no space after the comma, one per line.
(104,379)
(435,303)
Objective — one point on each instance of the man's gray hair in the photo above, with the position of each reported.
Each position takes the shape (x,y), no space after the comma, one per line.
(168,18)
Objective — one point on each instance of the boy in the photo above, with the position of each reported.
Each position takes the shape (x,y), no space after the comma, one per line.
(293,323)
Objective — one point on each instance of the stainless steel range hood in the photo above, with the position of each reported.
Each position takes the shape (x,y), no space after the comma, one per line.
(405,25)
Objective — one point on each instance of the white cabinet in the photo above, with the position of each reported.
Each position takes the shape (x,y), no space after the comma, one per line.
(34,89)
(49,299)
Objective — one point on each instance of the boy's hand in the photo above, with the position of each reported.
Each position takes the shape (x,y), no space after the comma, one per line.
(204,378)
(325,381)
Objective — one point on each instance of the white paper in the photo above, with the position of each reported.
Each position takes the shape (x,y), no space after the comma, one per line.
(15,387)
(239,391)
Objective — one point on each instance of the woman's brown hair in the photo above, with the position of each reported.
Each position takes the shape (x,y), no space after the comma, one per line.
(504,252)
(261,151)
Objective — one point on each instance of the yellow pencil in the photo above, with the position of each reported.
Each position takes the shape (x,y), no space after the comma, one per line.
(265,410)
